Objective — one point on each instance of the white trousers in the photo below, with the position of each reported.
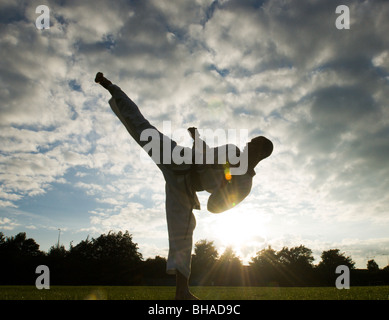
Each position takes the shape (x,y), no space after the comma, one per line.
(180,196)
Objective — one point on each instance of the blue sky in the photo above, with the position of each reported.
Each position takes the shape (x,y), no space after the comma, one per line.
(276,68)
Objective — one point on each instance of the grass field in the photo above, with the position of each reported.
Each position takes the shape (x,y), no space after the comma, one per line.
(204,293)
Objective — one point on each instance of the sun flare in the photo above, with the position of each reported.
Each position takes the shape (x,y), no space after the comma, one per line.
(240,229)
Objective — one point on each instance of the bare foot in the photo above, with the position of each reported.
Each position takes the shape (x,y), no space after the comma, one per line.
(102,80)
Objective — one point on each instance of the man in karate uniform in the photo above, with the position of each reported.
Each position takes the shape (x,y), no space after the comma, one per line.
(184,179)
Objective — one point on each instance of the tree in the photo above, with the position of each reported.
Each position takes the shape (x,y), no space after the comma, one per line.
(154,272)
(264,258)
(111,258)
(83,250)
(229,257)
(57,252)
(116,246)
(372,266)
(229,268)
(286,267)
(60,270)
(155,268)
(2,244)
(330,260)
(301,256)
(297,265)
(203,262)
(19,258)
(21,245)
(205,253)
(2,239)
(266,266)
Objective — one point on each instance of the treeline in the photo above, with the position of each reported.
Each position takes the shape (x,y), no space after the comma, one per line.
(114,259)
(286,267)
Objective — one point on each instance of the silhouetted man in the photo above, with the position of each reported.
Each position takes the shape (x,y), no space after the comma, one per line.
(184,178)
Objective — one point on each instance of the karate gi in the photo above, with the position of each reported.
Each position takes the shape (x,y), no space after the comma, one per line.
(182,182)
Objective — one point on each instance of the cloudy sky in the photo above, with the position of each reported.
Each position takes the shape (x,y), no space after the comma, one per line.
(277,68)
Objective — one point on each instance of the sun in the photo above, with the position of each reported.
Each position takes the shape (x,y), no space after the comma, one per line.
(240,228)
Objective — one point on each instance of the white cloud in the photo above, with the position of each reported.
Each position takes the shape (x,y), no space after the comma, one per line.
(7,224)
(276,68)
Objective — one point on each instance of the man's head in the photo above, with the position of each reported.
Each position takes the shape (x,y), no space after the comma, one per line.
(258,149)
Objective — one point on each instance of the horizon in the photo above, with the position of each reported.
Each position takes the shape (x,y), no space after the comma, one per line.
(244,263)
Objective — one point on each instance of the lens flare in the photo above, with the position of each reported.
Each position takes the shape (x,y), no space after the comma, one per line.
(227,172)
